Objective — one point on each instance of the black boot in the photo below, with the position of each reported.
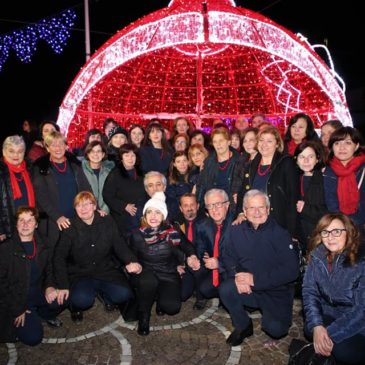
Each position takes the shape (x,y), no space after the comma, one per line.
(237,336)
(128,310)
(76,315)
(143,323)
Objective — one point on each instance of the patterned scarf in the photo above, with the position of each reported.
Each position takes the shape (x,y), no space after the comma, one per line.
(164,233)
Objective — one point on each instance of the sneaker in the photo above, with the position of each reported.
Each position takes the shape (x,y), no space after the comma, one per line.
(55,323)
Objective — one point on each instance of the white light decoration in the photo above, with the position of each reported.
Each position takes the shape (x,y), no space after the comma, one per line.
(203,61)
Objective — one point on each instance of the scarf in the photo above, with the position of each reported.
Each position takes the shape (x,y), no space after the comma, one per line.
(17,193)
(162,234)
(292,146)
(347,190)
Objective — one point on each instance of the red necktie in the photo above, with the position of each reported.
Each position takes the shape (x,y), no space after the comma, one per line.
(190,231)
(216,254)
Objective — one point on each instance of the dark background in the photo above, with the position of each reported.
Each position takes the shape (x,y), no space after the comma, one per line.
(34,91)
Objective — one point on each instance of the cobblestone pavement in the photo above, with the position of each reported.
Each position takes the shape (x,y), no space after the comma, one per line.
(189,338)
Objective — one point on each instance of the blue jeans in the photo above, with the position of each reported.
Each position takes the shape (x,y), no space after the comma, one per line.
(84,291)
(31,333)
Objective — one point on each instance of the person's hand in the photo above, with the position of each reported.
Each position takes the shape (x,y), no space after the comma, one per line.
(134,268)
(180,269)
(243,288)
(193,262)
(244,278)
(102,213)
(300,205)
(2,237)
(131,209)
(62,295)
(240,218)
(20,320)
(50,294)
(322,342)
(210,262)
(63,222)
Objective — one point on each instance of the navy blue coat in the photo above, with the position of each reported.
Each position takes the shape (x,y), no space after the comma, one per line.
(268,254)
(339,294)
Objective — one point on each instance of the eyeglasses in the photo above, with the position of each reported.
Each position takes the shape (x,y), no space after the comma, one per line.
(261,209)
(215,205)
(335,232)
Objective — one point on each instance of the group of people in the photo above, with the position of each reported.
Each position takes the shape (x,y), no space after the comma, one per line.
(136,218)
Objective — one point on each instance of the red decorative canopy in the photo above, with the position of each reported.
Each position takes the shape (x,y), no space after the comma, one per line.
(203,59)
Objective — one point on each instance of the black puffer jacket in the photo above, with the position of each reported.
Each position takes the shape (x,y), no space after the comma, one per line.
(7,208)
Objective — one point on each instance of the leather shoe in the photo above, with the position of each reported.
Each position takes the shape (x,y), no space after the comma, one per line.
(159,310)
(237,336)
(77,316)
(109,307)
(56,323)
(200,304)
(143,324)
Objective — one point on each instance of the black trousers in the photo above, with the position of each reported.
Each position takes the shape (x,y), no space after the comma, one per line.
(166,291)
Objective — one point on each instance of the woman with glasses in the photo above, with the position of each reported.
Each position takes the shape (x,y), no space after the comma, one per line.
(84,264)
(334,290)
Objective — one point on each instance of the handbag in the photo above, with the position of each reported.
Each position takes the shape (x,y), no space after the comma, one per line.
(302,353)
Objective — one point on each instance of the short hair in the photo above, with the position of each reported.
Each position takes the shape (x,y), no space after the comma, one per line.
(91,145)
(253,193)
(197,146)
(341,134)
(352,239)
(275,132)
(13,140)
(84,195)
(52,136)
(216,191)
(188,195)
(334,123)
(27,209)
(317,147)
(154,173)
(109,121)
(222,131)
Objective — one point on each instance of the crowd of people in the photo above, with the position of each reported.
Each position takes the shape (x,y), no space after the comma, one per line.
(149,215)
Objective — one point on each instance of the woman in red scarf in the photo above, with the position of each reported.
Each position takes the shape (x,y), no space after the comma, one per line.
(16,188)
(344,177)
(300,129)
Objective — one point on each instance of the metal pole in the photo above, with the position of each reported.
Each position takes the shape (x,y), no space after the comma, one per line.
(87,54)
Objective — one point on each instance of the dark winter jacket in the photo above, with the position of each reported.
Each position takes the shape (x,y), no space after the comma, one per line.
(162,258)
(7,208)
(86,251)
(15,272)
(268,254)
(119,191)
(338,294)
(155,159)
(282,189)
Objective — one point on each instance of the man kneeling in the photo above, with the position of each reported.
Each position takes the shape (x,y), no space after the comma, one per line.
(262,266)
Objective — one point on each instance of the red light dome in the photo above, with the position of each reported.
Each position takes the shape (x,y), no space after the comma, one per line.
(203,60)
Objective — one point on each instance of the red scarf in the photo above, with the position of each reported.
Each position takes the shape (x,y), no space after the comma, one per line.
(292,146)
(17,193)
(347,190)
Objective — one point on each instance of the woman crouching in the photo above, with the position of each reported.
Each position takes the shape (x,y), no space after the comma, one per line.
(334,290)
(160,249)
(27,289)
(83,259)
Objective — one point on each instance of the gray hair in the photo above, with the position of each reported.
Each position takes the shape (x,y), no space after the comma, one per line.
(13,140)
(253,193)
(154,173)
(216,191)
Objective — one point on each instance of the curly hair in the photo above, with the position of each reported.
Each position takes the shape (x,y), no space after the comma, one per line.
(352,236)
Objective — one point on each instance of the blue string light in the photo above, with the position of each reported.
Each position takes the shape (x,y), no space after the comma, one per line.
(55,31)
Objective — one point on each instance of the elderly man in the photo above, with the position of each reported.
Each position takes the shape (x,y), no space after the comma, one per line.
(261,267)
(209,242)
(155,181)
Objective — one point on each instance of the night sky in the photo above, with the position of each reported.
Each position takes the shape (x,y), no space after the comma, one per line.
(35,91)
